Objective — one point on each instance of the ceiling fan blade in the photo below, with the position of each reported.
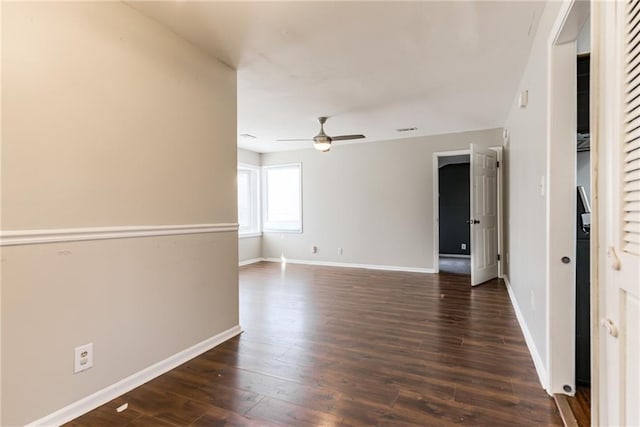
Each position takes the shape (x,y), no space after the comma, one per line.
(293,140)
(346,137)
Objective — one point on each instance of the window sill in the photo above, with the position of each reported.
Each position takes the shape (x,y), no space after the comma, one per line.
(249,234)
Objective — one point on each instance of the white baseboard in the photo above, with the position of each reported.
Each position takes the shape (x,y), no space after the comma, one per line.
(533,350)
(350,265)
(250,261)
(109,393)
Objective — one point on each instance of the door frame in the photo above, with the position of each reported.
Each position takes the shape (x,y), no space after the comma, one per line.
(436,205)
(561,197)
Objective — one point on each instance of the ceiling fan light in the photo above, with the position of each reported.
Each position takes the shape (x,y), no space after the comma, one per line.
(322,145)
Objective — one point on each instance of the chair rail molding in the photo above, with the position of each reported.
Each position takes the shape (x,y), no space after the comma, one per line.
(55,235)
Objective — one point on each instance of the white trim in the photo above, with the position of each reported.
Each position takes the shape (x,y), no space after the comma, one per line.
(250,261)
(461,152)
(109,393)
(436,214)
(533,350)
(601,33)
(255,197)
(501,262)
(454,256)
(560,195)
(54,235)
(350,265)
(249,234)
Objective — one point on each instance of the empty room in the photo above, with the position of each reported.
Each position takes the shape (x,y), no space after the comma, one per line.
(312,213)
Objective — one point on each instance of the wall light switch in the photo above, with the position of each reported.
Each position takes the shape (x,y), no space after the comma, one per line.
(523,100)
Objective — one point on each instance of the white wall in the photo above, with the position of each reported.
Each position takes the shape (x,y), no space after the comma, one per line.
(249,157)
(249,248)
(584,38)
(526,160)
(109,120)
(374,200)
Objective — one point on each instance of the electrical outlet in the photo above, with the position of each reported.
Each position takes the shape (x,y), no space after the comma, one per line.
(314,249)
(340,251)
(463,246)
(83,359)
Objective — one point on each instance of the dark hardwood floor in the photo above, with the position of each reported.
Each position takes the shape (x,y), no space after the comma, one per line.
(337,346)
(581,406)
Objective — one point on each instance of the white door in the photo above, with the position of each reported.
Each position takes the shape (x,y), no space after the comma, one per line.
(617,68)
(483,221)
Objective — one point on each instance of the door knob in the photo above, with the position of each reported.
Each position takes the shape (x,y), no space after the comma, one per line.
(473,221)
(566,260)
(610,326)
(615,261)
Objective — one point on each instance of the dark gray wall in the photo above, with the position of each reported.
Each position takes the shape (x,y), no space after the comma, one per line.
(454,208)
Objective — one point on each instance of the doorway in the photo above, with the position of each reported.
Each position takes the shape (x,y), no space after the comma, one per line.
(454,207)
(581,402)
(457,216)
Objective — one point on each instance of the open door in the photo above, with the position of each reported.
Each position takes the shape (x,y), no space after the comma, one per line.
(483,174)
(617,209)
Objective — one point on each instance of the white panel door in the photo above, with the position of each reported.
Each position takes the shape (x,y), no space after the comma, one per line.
(618,234)
(483,221)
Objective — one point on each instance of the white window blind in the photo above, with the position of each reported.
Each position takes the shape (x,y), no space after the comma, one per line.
(631,145)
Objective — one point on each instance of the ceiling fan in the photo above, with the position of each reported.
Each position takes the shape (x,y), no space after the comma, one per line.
(322,141)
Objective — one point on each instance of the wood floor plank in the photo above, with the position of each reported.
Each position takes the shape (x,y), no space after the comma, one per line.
(275,410)
(576,408)
(342,346)
(215,417)
(107,416)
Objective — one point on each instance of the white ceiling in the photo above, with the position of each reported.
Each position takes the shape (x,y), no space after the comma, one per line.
(372,67)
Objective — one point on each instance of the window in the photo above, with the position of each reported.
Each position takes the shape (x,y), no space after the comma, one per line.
(283,198)
(248,201)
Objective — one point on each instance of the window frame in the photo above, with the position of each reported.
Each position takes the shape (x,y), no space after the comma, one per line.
(255,230)
(268,227)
